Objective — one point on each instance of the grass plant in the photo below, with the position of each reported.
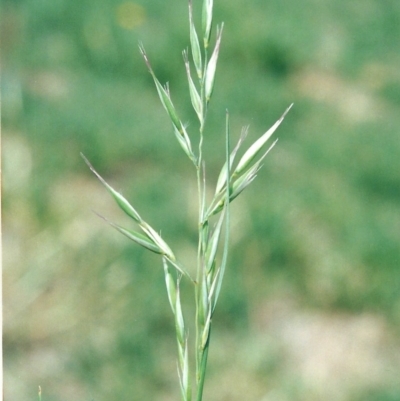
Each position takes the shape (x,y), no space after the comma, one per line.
(213,214)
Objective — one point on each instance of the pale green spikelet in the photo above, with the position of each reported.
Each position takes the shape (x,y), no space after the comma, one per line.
(212,66)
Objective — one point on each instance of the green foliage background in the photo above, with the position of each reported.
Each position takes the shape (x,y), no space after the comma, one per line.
(316,238)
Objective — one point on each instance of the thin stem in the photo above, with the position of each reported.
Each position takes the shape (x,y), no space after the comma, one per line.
(199,260)
(203,367)
(201,235)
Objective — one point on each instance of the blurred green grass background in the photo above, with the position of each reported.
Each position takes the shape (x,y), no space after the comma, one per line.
(310,308)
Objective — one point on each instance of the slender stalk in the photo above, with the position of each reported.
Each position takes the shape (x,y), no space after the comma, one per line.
(199,263)
(202,372)
(201,179)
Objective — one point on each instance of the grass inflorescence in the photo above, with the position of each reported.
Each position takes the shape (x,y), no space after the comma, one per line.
(213,215)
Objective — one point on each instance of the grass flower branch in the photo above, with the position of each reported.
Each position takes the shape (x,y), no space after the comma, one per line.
(213,236)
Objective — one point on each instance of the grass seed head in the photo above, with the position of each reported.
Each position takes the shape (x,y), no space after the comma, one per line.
(163,94)
(254,149)
(179,322)
(194,44)
(207,19)
(170,284)
(212,66)
(223,174)
(119,199)
(156,238)
(194,94)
